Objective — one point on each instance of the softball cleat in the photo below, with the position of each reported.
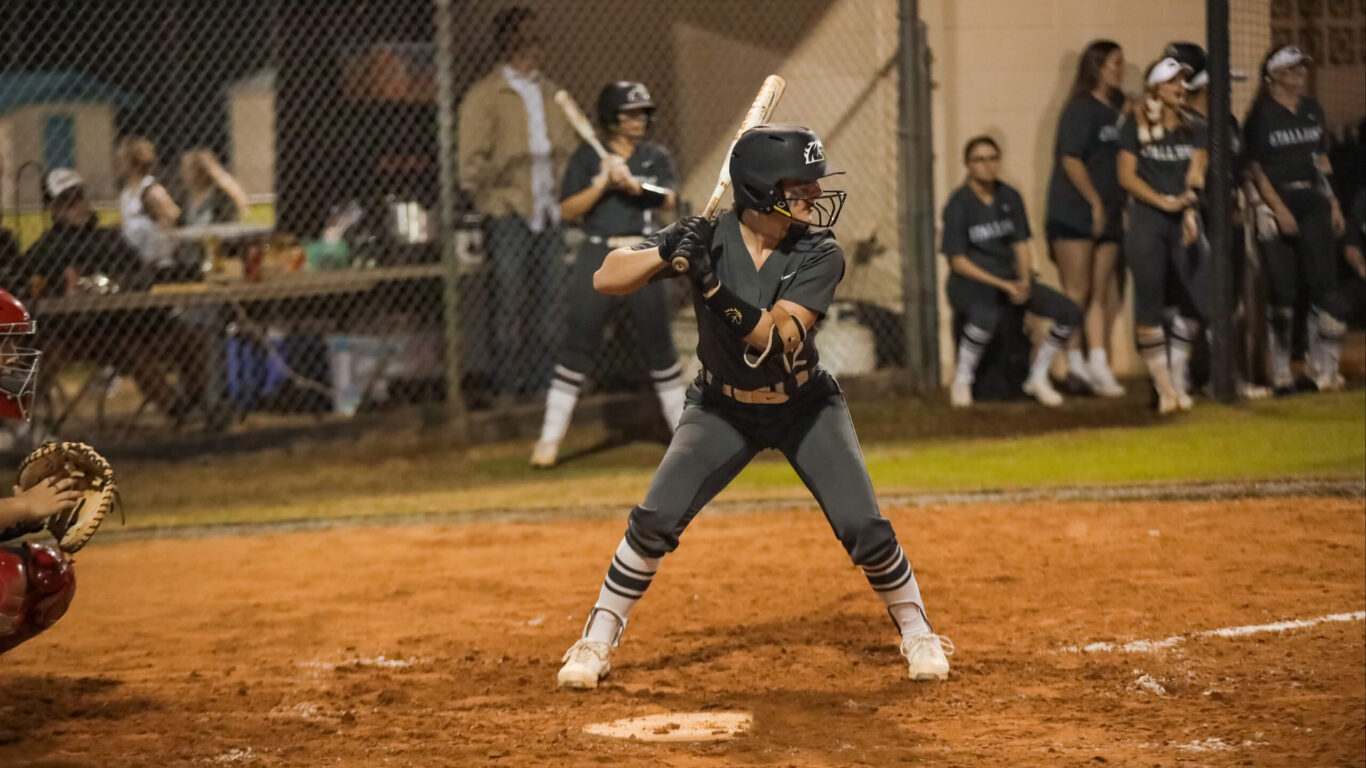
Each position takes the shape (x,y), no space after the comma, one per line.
(585,663)
(927,656)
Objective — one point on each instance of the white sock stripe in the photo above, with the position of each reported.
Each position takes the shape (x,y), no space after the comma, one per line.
(631,571)
(878,569)
(569,375)
(978,335)
(671,372)
(899,584)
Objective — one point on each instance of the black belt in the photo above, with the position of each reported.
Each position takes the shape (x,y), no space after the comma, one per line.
(768,396)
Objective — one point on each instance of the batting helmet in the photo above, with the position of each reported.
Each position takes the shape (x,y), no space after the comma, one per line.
(619,96)
(766,155)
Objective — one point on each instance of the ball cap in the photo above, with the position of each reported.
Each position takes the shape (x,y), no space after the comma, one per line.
(1166,69)
(61,180)
(1287,57)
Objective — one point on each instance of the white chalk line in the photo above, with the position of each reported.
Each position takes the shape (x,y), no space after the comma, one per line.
(1150,646)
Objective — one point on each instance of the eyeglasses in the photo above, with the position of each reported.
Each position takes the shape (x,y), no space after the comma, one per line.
(985,159)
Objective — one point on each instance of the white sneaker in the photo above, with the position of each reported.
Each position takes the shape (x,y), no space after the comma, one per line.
(1330,382)
(927,656)
(585,663)
(1250,391)
(1041,389)
(1184,401)
(544,455)
(1167,404)
(960,394)
(1103,382)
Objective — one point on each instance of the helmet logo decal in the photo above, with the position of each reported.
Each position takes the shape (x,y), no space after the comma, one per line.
(637,93)
(815,153)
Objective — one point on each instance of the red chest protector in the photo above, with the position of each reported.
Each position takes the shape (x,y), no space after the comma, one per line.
(36,587)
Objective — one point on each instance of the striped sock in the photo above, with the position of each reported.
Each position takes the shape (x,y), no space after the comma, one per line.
(628,577)
(565,387)
(970,350)
(1152,346)
(1331,332)
(1183,335)
(1052,344)
(672,392)
(894,582)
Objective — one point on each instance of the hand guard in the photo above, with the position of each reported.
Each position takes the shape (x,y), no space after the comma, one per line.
(94,478)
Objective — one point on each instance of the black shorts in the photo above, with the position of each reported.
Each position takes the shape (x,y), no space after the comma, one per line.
(1114,231)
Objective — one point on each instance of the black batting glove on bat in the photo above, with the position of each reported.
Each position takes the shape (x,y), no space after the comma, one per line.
(701,272)
(697,225)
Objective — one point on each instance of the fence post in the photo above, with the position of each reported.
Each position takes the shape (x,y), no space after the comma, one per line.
(445,126)
(1218,185)
(915,149)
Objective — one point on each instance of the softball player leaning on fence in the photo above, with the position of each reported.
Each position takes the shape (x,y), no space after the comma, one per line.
(762,274)
(1287,144)
(986,240)
(615,200)
(1162,166)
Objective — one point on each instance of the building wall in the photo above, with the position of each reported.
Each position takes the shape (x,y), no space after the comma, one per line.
(23,143)
(251,115)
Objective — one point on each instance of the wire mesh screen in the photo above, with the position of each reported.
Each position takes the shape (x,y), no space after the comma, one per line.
(226,214)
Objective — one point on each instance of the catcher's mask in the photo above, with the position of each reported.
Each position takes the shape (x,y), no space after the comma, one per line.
(773,160)
(18,359)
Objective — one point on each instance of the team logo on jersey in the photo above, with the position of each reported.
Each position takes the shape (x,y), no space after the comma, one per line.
(733,316)
(637,94)
(815,153)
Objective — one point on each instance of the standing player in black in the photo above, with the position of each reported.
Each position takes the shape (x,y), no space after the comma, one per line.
(763,275)
(615,201)
(1162,166)
(986,240)
(1287,144)
(1085,206)
(1346,301)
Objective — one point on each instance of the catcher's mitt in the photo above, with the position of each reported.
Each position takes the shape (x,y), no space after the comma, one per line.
(94,479)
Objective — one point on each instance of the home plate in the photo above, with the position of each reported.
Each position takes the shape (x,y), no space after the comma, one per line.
(676,726)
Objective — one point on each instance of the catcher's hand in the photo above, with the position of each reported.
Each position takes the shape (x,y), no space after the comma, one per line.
(89,474)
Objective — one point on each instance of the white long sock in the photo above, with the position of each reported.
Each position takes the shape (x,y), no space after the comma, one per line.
(894,582)
(565,387)
(672,393)
(1152,346)
(1179,345)
(1331,332)
(1077,364)
(970,350)
(1278,332)
(628,577)
(1052,344)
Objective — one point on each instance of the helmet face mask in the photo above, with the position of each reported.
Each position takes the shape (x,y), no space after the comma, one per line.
(18,359)
(805,202)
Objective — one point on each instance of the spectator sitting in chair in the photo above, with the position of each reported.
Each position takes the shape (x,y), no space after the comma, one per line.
(76,255)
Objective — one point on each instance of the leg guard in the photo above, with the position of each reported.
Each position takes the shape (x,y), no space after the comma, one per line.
(36,587)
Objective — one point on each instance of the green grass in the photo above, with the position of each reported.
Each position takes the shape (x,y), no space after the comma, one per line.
(910,447)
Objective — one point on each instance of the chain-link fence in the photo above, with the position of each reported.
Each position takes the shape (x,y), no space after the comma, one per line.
(228,215)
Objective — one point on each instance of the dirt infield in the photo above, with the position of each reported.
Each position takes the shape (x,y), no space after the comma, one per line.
(437,645)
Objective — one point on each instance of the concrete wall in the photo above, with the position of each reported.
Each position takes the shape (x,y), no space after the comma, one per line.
(23,127)
(251,116)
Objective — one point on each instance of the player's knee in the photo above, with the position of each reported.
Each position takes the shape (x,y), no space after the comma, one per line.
(651,532)
(868,540)
(36,587)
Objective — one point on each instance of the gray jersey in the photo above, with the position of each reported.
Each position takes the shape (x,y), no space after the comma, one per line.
(618,212)
(804,269)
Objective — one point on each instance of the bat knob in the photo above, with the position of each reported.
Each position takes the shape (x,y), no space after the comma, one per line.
(680,264)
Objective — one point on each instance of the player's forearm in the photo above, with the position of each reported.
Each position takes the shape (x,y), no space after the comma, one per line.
(626,271)
(1356,259)
(1264,186)
(1024,260)
(1081,179)
(12,511)
(577,205)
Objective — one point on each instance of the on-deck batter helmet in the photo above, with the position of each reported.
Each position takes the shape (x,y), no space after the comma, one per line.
(766,155)
(18,364)
(622,95)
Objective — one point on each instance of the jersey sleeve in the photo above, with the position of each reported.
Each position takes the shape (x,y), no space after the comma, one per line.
(583,165)
(954,240)
(1128,136)
(1074,131)
(1020,218)
(817,277)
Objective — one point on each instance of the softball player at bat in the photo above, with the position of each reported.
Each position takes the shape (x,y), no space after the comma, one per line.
(1287,144)
(1162,166)
(763,274)
(615,201)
